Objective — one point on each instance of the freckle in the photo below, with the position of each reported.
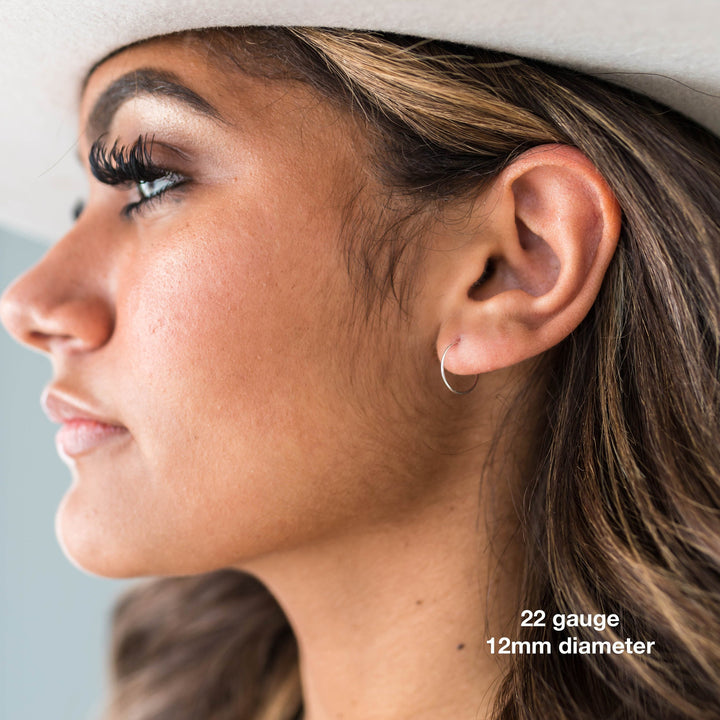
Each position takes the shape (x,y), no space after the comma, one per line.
(418,602)
(461,646)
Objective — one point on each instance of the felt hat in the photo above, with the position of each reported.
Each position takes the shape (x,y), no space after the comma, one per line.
(663,48)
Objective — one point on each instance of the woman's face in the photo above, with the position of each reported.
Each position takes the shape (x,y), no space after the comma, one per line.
(211,325)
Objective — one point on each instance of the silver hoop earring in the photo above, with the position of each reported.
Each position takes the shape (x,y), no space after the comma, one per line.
(444,378)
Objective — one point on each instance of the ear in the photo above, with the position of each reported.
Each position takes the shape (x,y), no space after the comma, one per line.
(544,234)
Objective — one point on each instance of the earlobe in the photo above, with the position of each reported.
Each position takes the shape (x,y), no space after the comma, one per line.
(549,228)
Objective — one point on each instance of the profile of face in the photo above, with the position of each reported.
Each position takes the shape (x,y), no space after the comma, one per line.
(217,401)
(223,396)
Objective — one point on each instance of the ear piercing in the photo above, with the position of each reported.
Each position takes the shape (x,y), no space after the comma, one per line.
(444,378)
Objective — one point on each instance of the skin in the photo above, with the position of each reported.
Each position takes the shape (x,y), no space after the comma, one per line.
(268,428)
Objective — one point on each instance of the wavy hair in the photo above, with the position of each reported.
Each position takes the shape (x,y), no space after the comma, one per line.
(621,512)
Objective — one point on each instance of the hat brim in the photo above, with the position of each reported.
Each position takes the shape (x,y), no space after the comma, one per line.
(662,48)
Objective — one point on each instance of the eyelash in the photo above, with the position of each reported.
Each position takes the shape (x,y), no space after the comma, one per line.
(132,165)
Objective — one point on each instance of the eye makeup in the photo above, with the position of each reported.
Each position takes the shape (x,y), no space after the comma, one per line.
(133,165)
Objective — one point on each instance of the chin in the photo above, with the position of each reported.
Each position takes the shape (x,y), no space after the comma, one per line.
(87,545)
(102,547)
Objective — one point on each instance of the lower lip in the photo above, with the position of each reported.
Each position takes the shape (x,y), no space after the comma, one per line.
(78,437)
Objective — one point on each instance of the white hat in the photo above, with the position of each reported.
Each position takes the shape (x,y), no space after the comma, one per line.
(666,49)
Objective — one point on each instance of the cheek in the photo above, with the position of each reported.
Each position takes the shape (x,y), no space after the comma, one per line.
(213,302)
(221,373)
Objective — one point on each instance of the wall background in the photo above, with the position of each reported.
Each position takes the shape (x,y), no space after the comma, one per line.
(53,617)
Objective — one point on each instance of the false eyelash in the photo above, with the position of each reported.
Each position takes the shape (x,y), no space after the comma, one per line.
(122,164)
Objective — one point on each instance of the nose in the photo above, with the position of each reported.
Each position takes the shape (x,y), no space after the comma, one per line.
(61,304)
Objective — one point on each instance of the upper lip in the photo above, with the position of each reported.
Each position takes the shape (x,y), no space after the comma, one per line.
(61,409)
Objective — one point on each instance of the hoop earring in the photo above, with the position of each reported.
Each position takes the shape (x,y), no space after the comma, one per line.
(444,378)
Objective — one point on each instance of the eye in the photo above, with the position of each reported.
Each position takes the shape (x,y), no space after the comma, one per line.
(133,168)
(152,191)
(152,188)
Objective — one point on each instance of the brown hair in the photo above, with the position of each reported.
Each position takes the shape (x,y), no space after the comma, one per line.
(621,511)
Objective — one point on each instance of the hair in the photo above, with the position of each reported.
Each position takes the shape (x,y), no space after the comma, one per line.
(621,509)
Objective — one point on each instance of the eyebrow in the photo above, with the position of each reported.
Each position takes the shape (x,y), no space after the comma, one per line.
(144,81)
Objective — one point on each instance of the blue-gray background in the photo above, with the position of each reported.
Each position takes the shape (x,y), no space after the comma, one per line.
(54,619)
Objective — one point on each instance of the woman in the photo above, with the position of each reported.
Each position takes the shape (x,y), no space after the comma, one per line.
(423,338)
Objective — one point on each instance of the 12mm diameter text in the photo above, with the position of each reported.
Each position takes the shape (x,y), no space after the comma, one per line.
(570,646)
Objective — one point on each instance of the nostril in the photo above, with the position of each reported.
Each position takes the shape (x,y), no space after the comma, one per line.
(63,304)
(51,323)
(20,322)
(41,339)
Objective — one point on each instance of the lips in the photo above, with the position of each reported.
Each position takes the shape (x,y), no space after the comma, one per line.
(83,429)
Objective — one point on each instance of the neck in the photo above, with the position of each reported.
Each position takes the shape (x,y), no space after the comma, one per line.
(392,622)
